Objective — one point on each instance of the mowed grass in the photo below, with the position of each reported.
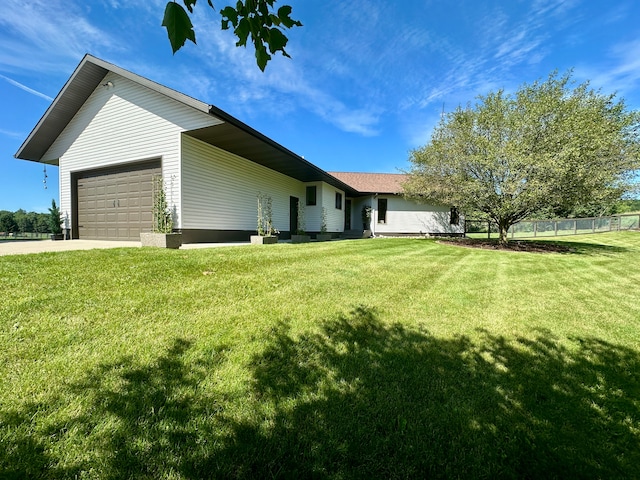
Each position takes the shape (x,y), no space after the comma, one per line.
(386,358)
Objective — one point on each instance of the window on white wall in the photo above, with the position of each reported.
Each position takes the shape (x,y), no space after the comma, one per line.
(312,193)
(338,200)
(454,216)
(382,210)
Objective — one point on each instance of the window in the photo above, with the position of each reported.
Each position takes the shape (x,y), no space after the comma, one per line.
(311,194)
(454,216)
(382,210)
(338,200)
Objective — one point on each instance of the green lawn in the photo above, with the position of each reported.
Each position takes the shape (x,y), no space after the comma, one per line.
(386,358)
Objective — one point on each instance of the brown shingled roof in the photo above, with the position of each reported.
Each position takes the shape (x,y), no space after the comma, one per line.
(372,182)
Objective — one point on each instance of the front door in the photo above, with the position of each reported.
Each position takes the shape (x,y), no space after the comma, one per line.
(347,214)
(293,215)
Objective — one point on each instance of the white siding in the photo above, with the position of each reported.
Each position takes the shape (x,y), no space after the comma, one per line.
(356,211)
(125,123)
(335,217)
(313,213)
(325,197)
(405,216)
(220,189)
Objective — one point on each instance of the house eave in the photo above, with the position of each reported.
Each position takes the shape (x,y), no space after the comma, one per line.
(87,76)
(240,139)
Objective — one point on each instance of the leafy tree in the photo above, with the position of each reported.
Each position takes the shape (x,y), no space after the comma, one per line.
(22,220)
(41,225)
(255,19)
(545,146)
(55,220)
(7,222)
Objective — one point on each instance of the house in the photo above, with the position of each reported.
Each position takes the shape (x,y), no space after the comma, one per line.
(391,214)
(110,131)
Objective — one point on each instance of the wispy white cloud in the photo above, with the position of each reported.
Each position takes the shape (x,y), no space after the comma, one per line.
(622,69)
(42,34)
(27,89)
(9,133)
(286,85)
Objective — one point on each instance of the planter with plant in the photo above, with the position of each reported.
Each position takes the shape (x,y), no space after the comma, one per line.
(323,236)
(366,217)
(162,234)
(55,222)
(266,233)
(300,236)
(366,221)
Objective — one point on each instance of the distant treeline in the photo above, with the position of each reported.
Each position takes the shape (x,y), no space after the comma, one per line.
(23,222)
(629,206)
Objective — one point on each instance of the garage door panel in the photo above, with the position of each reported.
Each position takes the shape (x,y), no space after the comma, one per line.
(116,204)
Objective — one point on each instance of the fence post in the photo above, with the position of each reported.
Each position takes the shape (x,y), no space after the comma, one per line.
(555,228)
(535,229)
(575,226)
(593,225)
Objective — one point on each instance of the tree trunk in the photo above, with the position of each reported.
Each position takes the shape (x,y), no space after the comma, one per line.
(503,226)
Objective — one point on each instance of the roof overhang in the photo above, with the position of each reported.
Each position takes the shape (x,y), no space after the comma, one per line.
(82,83)
(232,135)
(240,139)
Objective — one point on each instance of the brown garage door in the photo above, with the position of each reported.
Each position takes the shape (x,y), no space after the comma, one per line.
(115,204)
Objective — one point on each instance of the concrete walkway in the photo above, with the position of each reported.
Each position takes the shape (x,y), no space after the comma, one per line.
(19,247)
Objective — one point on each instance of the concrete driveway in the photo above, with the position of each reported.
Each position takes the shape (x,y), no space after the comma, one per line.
(18,247)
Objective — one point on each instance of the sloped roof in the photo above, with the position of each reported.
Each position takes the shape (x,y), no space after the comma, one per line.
(84,80)
(232,135)
(372,182)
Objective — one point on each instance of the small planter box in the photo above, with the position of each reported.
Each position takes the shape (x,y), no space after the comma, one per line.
(300,238)
(57,236)
(262,240)
(323,237)
(161,240)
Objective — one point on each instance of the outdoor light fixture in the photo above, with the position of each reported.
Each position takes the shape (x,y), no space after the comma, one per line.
(109,84)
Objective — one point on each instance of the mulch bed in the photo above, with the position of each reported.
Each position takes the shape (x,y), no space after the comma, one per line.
(512,245)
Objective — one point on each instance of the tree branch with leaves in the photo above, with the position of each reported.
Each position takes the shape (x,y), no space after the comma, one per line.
(254,20)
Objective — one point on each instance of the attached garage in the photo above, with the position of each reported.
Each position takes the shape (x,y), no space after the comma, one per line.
(114,203)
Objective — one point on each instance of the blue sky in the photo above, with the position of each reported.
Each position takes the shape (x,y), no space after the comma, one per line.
(367,82)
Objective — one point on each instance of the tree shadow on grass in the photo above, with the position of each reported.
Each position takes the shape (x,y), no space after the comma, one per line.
(362,399)
(139,421)
(359,398)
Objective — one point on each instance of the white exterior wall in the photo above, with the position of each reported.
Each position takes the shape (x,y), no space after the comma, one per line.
(327,199)
(405,216)
(356,211)
(220,189)
(123,124)
(313,213)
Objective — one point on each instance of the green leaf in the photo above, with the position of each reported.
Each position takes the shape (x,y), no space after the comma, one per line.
(242,32)
(263,8)
(284,14)
(189,4)
(262,57)
(178,25)
(229,15)
(276,40)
